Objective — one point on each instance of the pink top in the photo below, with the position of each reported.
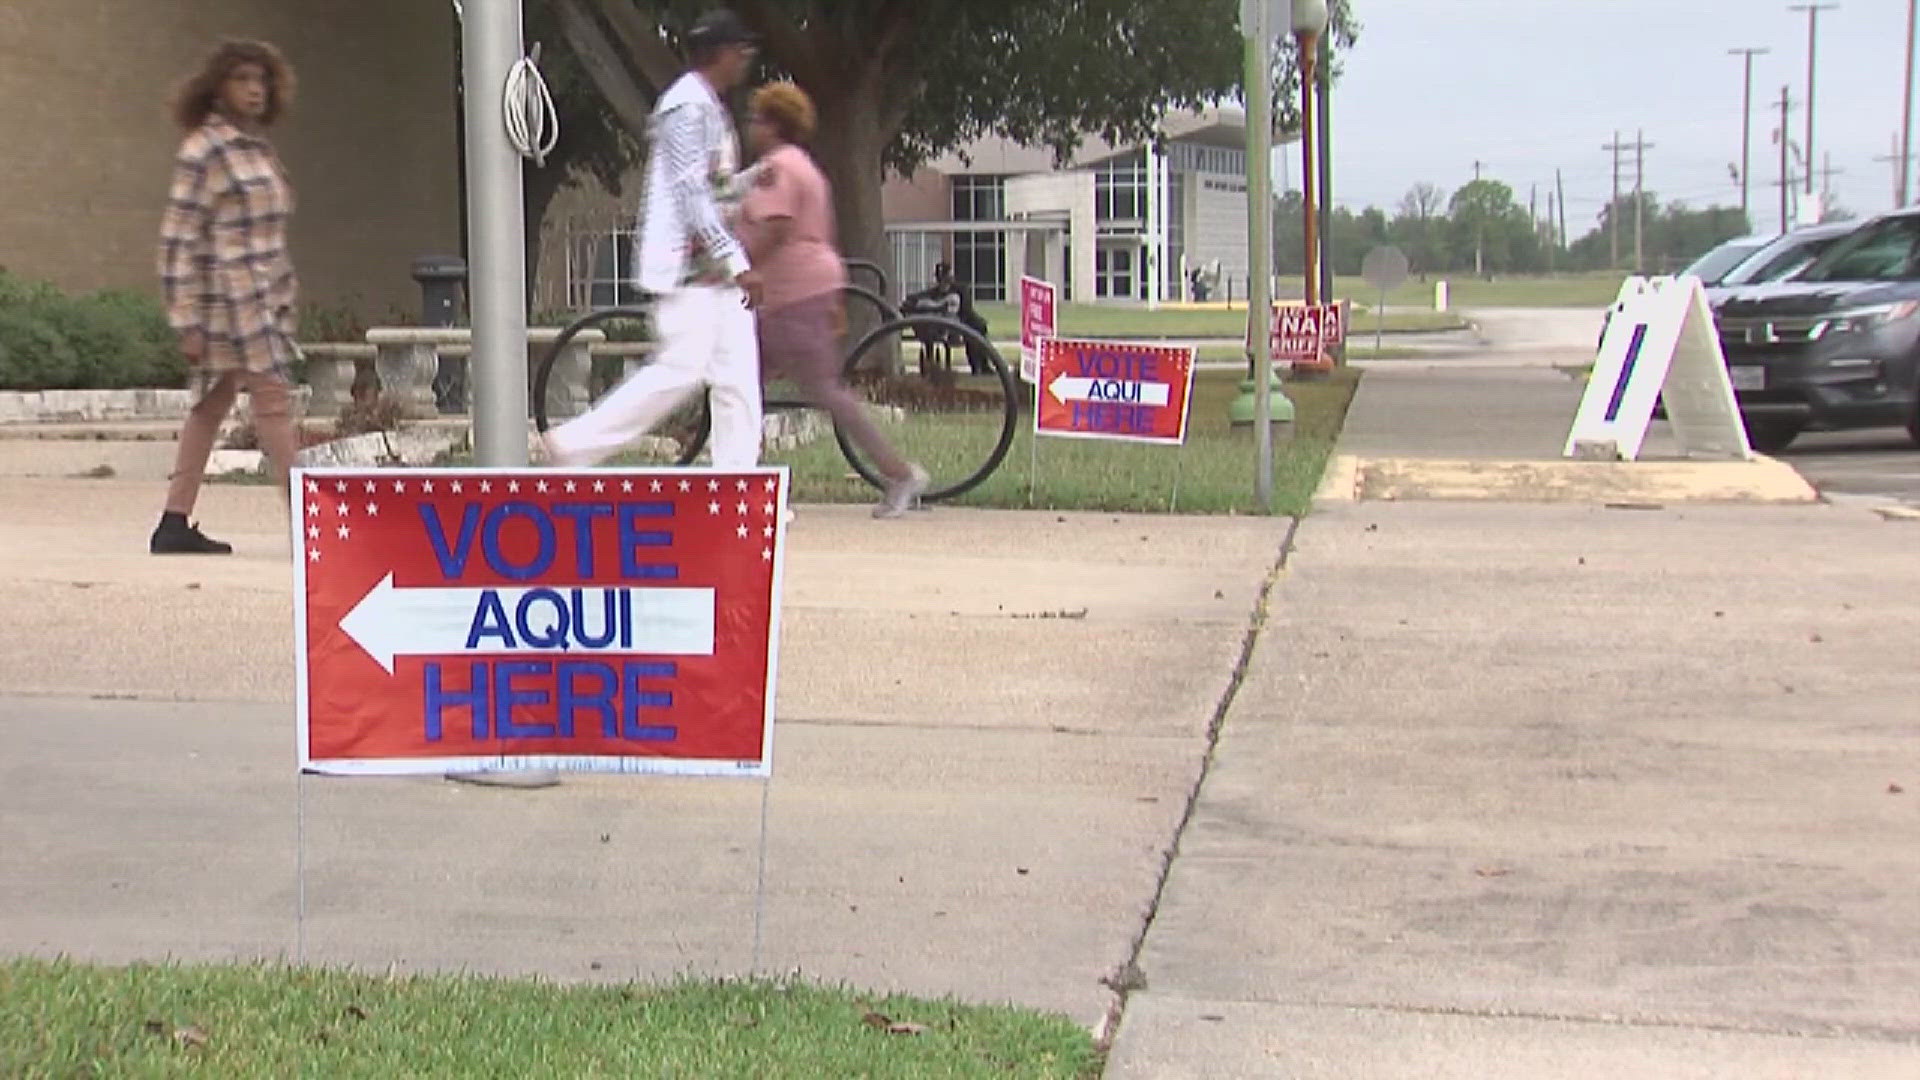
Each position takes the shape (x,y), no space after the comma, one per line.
(790,185)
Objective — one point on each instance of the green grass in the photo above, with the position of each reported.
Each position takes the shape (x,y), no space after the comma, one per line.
(1465,292)
(1116,321)
(1213,472)
(63,1019)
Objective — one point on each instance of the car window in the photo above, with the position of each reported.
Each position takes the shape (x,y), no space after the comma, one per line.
(1777,261)
(1713,266)
(1886,251)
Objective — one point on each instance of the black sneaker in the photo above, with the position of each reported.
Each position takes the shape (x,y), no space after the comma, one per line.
(176,536)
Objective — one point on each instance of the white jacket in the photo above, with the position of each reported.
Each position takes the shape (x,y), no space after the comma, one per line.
(684,237)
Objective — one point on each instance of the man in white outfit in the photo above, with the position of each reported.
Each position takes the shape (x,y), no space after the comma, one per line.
(688,256)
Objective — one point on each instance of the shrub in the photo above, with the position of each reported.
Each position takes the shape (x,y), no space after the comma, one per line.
(106,340)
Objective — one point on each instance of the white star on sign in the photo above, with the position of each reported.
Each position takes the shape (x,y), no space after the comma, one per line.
(713,508)
(313,487)
(766,508)
(340,487)
(426,486)
(513,487)
(742,531)
(458,487)
(599,486)
(713,485)
(344,532)
(313,532)
(372,487)
(399,487)
(767,532)
(766,554)
(655,487)
(740,508)
(486,486)
(626,486)
(772,483)
(686,485)
(373,509)
(740,485)
(313,509)
(343,509)
(572,487)
(540,487)
(313,554)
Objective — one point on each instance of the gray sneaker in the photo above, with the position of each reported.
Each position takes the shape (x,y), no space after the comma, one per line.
(902,494)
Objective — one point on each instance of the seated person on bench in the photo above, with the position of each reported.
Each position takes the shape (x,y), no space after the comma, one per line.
(950,298)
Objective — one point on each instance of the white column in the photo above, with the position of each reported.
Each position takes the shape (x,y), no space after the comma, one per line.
(1153,247)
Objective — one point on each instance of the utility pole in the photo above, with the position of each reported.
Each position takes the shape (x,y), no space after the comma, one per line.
(1476,172)
(1786,181)
(1905,147)
(1640,148)
(1553,240)
(1561,188)
(1813,39)
(1613,208)
(1746,123)
(1898,159)
(1827,173)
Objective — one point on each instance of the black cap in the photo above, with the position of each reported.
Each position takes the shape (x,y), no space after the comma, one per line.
(719,27)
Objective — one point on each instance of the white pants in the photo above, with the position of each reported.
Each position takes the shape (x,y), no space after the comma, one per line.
(707,338)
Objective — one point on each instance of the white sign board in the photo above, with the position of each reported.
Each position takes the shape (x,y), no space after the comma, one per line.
(1660,345)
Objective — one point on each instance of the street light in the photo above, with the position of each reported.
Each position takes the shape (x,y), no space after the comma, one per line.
(1265,404)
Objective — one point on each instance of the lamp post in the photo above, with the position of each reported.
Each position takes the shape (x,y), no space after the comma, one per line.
(1260,403)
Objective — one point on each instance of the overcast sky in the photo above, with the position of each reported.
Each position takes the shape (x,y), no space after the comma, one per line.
(1525,86)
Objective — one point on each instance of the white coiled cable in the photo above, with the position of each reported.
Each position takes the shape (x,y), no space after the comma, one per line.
(533,124)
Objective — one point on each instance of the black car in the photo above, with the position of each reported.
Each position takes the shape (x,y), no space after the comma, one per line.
(1837,347)
(1751,260)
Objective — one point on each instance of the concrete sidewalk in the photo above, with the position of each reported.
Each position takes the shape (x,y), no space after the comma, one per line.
(977,775)
(1549,789)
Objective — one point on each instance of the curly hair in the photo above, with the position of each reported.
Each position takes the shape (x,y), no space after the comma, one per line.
(200,95)
(787,108)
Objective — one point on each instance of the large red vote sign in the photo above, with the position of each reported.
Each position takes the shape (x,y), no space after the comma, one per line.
(612,620)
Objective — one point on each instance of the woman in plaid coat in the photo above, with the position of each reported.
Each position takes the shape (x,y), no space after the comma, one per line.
(228,279)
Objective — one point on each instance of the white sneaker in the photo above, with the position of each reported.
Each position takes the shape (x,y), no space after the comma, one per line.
(902,494)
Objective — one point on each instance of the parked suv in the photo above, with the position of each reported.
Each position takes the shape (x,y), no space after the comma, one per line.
(1751,260)
(1837,347)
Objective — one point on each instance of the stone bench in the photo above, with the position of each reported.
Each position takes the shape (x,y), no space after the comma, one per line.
(407,359)
(330,372)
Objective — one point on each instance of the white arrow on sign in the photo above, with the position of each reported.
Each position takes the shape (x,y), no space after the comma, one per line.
(390,622)
(1065,388)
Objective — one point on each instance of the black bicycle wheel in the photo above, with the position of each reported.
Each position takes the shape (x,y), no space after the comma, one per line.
(543,376)
(949,438)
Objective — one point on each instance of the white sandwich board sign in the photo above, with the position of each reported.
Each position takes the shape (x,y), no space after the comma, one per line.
(1660,345)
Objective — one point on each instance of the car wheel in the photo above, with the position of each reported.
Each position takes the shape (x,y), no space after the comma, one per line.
(1772,435)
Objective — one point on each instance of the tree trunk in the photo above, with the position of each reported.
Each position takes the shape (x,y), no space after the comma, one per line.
(541,186)
(849,145)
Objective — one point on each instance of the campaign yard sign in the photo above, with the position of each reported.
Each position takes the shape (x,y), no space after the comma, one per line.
(1122,390)
(1302,333)
(1037,316)
(597,620)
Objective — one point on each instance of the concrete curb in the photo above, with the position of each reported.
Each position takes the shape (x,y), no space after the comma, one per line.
(1762,480)
(1341,482)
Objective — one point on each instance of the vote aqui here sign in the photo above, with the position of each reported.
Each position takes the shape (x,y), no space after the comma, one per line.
(607,620)
(1122,390)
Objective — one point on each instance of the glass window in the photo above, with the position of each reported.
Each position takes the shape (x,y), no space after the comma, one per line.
(600,270)
(1882,252)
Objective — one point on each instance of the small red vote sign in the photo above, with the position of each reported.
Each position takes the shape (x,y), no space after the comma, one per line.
(608,620)
(1124,390)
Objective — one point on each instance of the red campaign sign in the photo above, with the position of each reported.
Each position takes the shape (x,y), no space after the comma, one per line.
(1302,333)
(452,620)
(1036,324)
(1114,390)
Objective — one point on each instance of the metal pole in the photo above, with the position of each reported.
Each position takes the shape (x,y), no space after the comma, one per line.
(1786,182)
(1260,240)
(1906,114)
(1323,93)
(497,237)
(1309,167)
(1746,129)
(1639,199)
(1813,42)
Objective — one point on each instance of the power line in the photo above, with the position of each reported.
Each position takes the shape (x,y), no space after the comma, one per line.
(1639,146)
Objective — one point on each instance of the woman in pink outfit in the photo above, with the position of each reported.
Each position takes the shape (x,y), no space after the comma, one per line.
(787,224)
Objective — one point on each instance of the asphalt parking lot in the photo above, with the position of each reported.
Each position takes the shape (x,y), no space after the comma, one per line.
(1880,463)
